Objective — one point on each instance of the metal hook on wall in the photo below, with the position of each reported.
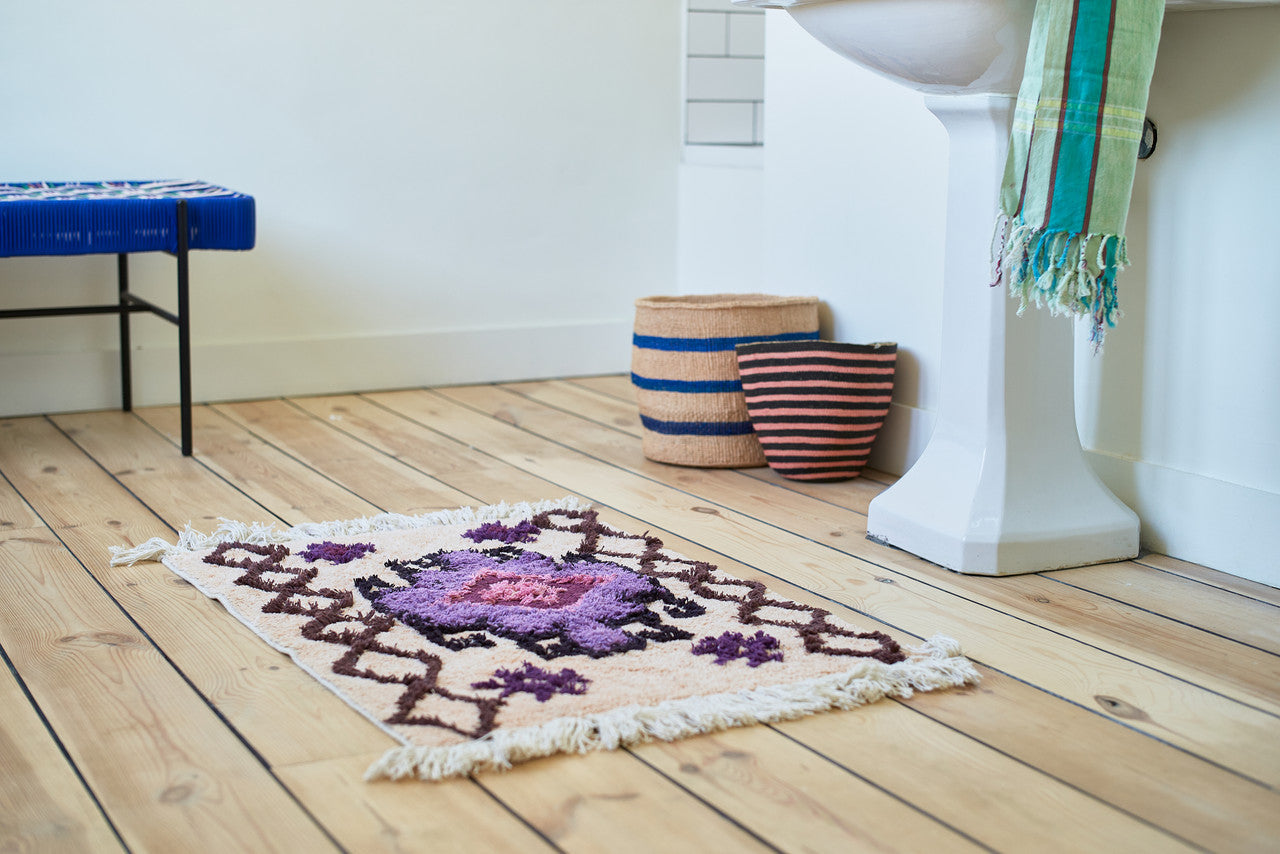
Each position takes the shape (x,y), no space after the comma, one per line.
(1147,145)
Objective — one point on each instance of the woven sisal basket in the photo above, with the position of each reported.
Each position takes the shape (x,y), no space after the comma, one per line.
(684,367)
(817,406)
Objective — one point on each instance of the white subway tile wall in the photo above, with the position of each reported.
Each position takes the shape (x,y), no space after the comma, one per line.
(724,98)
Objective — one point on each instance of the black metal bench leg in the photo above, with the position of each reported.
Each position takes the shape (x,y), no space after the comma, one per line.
(126,368)
(184,328)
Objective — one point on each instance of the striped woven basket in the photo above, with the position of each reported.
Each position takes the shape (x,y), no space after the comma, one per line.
(817,406)
(684,367)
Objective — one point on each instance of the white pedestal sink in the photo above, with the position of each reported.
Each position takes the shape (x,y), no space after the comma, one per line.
(1003,486)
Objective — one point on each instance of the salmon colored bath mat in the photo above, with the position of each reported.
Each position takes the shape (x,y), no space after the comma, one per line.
(483,637)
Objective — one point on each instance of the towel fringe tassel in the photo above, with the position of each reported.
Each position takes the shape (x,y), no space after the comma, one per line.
(1068,273)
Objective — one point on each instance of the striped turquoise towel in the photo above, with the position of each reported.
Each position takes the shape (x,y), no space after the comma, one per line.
(1072,154)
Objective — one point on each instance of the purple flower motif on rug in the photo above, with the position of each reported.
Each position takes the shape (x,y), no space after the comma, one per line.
(542,684)
(578,606)
(730,646)
(523,532)
(336,552)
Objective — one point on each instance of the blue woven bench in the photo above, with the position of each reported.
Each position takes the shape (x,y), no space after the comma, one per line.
(120,218)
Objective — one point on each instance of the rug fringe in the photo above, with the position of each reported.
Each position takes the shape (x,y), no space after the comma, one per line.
(258,533)
(934,665)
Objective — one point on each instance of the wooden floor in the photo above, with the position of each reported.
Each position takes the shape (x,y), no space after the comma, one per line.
(1132,707)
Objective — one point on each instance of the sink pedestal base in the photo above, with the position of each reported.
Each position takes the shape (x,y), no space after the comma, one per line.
(1003,486)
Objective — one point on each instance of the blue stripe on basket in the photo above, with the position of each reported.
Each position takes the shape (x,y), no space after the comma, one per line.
(686,386)
(697,428)
(712,345)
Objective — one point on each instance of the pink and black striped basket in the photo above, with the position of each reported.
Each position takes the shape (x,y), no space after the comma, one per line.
(817,406)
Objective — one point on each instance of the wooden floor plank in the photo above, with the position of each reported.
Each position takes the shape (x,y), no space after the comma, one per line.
(1220,811)
(610,385)
(170,775)
(788,794)
(15,513)
(484,479)
(44,805)
(406,817)
(1208,608)
(1054,818)
(330,453)
(944,604)
(612,412)
(279,483)
(32,454)
(1205,575)
(138,458)
(581,803)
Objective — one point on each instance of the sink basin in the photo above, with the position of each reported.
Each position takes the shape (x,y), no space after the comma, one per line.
(940,47)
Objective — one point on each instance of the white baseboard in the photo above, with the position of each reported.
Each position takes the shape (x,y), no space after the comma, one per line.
(37,383)
(1196,518)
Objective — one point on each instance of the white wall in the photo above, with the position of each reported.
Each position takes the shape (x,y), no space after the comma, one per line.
(1182,410)
(1183,406)
(447,191)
